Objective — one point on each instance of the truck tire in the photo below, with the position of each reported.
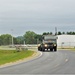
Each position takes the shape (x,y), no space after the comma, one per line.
(43,49)
(39,48)
(55,49)
(51,49)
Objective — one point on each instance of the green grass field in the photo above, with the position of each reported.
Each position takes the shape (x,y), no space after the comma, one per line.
(7,56)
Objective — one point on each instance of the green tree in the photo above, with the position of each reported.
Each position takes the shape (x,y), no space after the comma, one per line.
(19,40)
(29,37)
(73,33)
(50,33)
(63,32)
(47,33)
(5,39)
(38,38)
(59,33)
(70,33)
(44,33)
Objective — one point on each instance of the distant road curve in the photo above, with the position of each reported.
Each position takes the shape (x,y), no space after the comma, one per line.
(60,62)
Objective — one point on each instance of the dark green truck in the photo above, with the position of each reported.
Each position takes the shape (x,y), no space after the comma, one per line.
(49,43)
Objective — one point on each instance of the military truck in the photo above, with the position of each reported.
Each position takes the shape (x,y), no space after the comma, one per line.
(49,43)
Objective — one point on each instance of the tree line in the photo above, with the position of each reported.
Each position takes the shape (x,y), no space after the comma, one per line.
(29,37)
(59,33)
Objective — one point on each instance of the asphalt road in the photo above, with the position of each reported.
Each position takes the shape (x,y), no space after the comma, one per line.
(60,62)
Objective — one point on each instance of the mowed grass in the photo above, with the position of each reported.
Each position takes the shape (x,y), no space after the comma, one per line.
(7,56)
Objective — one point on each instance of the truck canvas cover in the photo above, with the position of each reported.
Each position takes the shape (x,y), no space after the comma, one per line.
(50,37)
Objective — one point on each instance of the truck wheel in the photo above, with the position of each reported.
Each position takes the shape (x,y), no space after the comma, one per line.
(55,49)
(51,49)
(43,49)
(38,49)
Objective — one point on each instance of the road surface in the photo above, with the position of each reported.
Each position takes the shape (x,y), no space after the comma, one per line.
(60,62)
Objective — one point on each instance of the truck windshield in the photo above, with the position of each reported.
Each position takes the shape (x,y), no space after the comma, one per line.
(49,43)
(50,40)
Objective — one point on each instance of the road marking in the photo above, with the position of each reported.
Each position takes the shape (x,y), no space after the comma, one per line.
(66,60)
(57,65)
(40,54)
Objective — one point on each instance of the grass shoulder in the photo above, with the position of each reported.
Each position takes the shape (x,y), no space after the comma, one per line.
(7,56)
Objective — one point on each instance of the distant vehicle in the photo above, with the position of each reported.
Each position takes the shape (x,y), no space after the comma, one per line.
(49,43)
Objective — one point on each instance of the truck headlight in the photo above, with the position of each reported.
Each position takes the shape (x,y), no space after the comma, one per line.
(45,45)
(54,44)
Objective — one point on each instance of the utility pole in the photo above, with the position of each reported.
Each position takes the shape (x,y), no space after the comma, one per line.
(55,30)
(12,38)
(24,43)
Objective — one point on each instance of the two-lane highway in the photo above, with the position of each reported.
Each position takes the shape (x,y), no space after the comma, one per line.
(60,62)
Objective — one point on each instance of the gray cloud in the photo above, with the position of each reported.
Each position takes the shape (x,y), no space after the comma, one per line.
(36,15)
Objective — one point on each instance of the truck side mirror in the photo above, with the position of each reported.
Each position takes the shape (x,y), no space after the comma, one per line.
(43,37)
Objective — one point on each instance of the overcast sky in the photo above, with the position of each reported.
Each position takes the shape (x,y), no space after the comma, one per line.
(36,15)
